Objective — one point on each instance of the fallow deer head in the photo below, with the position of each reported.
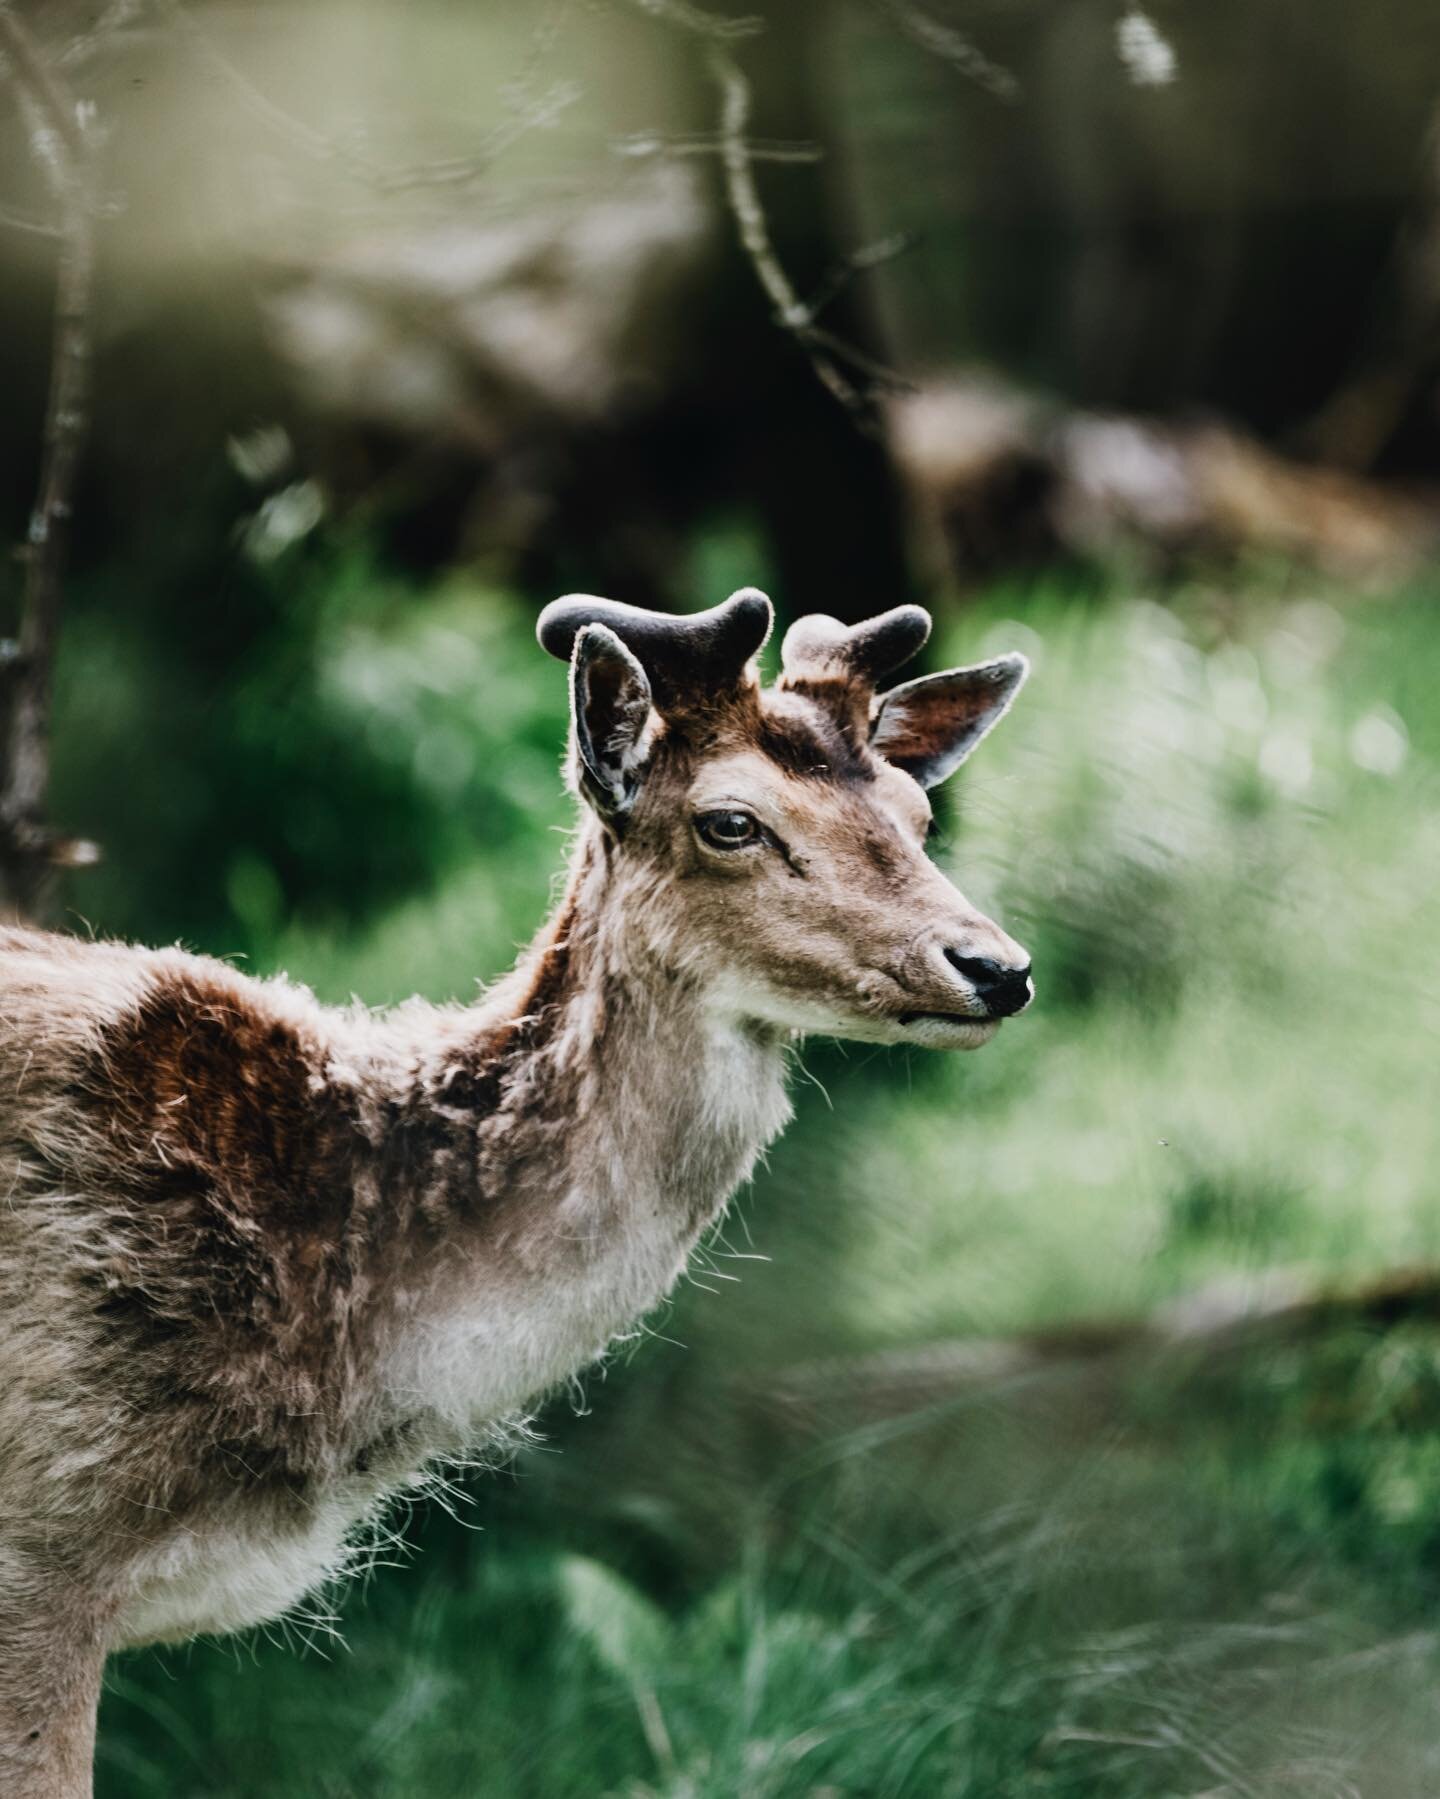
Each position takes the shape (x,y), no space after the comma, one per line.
(766,847)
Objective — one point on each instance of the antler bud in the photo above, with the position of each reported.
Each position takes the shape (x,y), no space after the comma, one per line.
(821,649)
(689,657)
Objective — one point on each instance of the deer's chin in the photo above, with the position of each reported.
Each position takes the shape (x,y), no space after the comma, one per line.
(923,1030)
(941,1030)
(821,1018)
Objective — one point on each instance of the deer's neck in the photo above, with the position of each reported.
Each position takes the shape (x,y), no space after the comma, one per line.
(612,1113)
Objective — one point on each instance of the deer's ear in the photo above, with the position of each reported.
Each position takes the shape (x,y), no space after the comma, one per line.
(609,710)
(929,726)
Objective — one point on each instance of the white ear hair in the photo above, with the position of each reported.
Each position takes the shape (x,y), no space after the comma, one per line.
(609,710)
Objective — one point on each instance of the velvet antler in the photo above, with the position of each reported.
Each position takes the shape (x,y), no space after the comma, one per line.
(839,665)
(690,658)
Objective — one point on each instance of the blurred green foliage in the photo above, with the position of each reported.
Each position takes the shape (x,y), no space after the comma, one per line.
(1216,824)
(302,751)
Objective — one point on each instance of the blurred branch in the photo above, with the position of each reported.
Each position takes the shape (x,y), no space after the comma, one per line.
(700,23)
(869,256)
(754,230)
(708,143)
(101,34)
(447,172)
(950,46)
(825,351)
(295,131)
(462,171)
(828,354)
(22,221)
(62,143)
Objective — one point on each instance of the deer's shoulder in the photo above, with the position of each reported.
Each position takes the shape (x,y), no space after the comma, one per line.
(191,1113)
(170,1047)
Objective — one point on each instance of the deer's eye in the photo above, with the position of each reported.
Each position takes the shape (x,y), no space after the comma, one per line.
(728,830)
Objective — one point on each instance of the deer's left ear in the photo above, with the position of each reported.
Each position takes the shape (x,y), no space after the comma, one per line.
(929,726)
(609,710)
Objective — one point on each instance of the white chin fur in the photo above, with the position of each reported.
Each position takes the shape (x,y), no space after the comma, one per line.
(810,1020)
(924,1033)
(950,1033)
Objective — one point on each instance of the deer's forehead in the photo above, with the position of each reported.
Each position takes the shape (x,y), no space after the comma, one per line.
(742,774)
(752,778)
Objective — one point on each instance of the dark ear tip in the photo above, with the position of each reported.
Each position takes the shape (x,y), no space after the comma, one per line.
(1012,669)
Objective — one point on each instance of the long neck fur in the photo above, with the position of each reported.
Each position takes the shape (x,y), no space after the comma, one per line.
(598,1115)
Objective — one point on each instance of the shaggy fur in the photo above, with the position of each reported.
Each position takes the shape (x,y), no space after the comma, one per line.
(261,1260)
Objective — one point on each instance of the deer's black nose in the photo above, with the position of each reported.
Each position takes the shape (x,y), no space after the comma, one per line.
(1002,990)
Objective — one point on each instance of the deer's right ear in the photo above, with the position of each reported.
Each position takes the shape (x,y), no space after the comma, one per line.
(930,725)
(609,712)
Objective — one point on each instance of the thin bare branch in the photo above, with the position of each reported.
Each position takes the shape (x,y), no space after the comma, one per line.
(11,220)
(827,351)
(639,144)
(738,154)
(62,143)
(54,107)
(285,125)
(754,229)
(101,35)
(715,27)
(869,256)
(951,46)
(447,172)
(870,366)
(464,171)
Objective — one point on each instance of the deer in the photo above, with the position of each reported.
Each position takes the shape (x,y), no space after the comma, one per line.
(264,1262)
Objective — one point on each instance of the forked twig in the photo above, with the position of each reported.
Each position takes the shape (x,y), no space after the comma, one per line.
(829,355)
(754,228)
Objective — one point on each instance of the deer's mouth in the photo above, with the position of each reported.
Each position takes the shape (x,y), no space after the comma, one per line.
(948,1030)
(908,1018)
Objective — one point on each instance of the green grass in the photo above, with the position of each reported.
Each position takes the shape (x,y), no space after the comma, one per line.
(1217,826)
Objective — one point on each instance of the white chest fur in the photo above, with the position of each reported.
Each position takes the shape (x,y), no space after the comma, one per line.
(228,1575)
(644,1175)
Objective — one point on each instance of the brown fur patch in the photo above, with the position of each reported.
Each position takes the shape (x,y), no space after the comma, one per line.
(231,1260)
(204,1086)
